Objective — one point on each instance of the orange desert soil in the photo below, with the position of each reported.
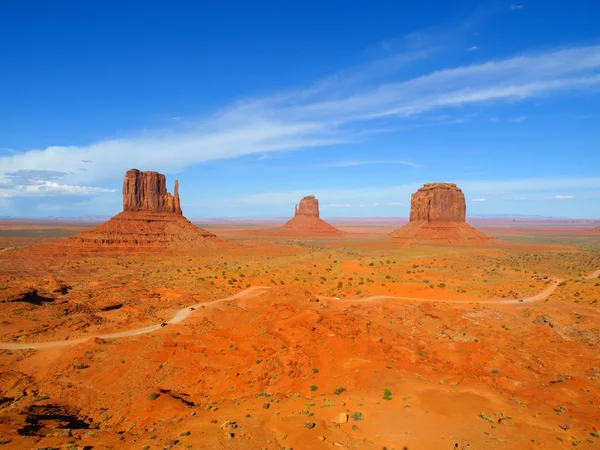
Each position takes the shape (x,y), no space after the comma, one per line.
(468,365)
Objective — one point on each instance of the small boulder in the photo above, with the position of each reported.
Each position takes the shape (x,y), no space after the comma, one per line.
(340,418)
(309,425)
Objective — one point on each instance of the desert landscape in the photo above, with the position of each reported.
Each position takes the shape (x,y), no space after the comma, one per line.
(150,332)
(296,225)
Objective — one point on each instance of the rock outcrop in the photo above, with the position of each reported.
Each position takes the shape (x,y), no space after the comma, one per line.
(151,218)
(438,215)
(147,191)
(306,222)
(308,206)
(436,202)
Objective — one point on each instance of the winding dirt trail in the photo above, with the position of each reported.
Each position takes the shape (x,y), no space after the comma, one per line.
(184,313)
(500,301)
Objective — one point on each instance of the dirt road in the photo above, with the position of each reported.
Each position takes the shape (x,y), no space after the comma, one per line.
(184,313)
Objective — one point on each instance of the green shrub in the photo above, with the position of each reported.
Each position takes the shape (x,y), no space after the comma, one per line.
(387,394)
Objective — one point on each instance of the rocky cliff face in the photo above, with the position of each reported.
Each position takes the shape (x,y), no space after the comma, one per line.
(436,202)
(147,191)
(308,206)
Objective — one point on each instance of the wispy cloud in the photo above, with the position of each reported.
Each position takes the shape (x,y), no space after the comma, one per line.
(337,110)
(518,119)
(472,48)
(520,189)
(374,162)
(516,7)
(563,196)
(52,188)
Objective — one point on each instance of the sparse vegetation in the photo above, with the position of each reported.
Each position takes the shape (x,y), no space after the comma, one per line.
(387,394)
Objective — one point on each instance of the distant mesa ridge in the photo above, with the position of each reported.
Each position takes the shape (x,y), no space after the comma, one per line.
(438,215)
(151,217)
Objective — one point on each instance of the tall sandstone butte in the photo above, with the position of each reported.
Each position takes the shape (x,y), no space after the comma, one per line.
(436,202)
(308,206)
(438,215)
(306,222)
(151,217)
(147,191)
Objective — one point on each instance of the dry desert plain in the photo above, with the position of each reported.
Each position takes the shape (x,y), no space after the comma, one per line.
(428,346)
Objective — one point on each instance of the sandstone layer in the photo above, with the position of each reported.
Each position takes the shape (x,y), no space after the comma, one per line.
(437,215)
(151,217)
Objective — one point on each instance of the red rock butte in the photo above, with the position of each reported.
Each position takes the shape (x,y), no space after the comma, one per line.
(307,222)
(151,217)
(437,215)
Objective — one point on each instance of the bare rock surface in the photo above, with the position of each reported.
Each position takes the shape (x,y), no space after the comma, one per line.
(147,191)
(308,206)
(438,202)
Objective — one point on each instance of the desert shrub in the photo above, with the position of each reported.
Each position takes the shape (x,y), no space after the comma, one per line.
(152,396)
(339,390)
(387,394)
(357,415)
(313,387)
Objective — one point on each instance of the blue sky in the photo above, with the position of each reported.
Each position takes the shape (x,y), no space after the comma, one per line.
(252,105)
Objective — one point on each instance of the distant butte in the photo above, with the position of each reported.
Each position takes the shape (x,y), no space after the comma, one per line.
(438,215)
(306,222)
(151,217)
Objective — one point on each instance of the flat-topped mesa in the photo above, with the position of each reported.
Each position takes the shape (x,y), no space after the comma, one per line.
(437,216)
(147,191)
(438,202)
(308,206)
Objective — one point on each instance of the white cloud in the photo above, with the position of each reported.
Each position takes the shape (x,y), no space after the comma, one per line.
(47,188)
(563,196)
(338,110)
(472,48)
(399,195)
(478,200)
(364,163)
(516,7)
